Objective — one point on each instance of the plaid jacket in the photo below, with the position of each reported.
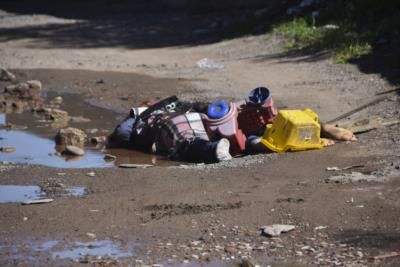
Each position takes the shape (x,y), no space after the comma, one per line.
(177,130)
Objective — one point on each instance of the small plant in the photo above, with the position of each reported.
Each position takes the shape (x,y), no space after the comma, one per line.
(299,32)
(351,51)
(302,33)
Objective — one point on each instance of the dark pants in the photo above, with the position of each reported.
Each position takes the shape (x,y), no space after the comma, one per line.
(198,151)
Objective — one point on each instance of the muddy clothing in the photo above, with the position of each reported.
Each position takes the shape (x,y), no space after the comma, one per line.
(179,136)
(178,132)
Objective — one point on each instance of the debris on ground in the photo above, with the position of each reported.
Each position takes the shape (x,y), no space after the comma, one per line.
(98,139)
(347,114)
(91,174)
(28,90)
(91,235)
(6,76)
(71,136)
(79,119)
(386,255)
(207,63)
(37,201)
(133,166)
(335,168)
(109,157)
(20,96)
(53,186)
(7,149)
(74,150)
(355,177)
(276,229)
(58,117)
(208,133)
(368,124)
(57,100)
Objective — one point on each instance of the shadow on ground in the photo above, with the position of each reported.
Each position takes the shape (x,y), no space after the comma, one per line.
(136,24)
(165,23)
(380,240)
(384,61)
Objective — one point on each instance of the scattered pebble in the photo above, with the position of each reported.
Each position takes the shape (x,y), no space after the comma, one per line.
(7,149)
(109,157)
(91,235)
(74,150)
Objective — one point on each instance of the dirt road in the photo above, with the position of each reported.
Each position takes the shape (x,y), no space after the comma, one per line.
(203,215)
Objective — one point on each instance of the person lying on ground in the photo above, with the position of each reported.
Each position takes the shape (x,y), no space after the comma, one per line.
(176,134)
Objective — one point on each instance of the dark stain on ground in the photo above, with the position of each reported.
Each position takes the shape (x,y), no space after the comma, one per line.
(159,211)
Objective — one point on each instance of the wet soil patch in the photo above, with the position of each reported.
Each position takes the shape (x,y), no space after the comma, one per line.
(22,193)
(115,90)
(31,137)
(59,251)
(159,211)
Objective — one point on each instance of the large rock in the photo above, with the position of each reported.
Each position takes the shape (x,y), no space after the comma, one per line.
(71,137)
(53,114)
(6,76)
(29,90)
(35,85)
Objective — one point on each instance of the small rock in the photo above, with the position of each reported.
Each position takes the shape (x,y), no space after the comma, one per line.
(91,235)
(57,99)
(360,254)
(110,157)
(246,263)
(25,219)
(79,119)
(6,76)
(7,149)
(22,91)
(73,150)
(91,174)
(71,137)
(299,253)
(37,201)
(92,131)
(230,250)
(207,63)
(330,27)
(321,227)
(58,115)
(34,84)
(276,229)
(130,165)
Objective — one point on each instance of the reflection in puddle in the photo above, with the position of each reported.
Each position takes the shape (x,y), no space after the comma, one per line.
(22,193)
(32,149)
(19,193)
(103,248)
(36,145)
(45,246)
(57,250)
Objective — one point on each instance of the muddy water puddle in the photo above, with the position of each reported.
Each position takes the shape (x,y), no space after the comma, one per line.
(60,250)
(22,193)
(32,138)
(98,248)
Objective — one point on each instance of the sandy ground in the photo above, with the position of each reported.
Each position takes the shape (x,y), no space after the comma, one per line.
(207,213)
